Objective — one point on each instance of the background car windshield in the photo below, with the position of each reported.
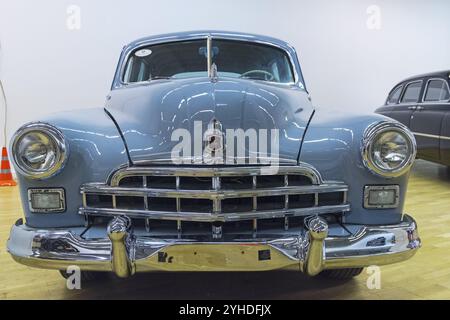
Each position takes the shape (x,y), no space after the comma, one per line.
(235,59)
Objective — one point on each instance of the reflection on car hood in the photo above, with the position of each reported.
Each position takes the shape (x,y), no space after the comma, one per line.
(148,114)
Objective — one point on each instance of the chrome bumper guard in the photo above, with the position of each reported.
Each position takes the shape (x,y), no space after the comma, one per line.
(125,254)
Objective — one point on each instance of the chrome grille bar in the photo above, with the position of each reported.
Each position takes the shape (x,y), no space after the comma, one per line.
(211,217)
(231,171)
(211,194)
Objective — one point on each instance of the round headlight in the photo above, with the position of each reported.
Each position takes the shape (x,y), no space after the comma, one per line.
(39,150)
(388,149)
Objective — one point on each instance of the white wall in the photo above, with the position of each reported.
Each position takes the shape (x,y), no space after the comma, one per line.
(46,67)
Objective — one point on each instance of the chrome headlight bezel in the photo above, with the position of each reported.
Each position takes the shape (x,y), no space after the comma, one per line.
(57,139)
(370,136)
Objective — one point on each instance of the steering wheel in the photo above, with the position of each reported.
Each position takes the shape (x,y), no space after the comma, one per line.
(265,73)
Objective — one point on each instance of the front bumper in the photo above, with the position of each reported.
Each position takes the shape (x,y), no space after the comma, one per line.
(125,254)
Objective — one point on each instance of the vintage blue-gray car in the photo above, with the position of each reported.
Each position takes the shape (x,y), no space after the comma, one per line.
(209,155)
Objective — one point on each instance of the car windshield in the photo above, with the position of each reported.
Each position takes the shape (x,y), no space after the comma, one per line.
(235,59)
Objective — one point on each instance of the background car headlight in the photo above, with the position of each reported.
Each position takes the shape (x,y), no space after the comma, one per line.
(388,149)
(39,150)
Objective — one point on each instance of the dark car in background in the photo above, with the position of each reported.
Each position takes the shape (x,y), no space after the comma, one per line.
(422,103)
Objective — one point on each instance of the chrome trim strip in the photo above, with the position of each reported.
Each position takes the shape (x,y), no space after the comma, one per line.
(114,201)
(417,104)
(426,135)
(84,200)
(434,103)
(179,228)
(144,185)
(255,199)
(302,168)
(209,54)
(212,194)
(211,217)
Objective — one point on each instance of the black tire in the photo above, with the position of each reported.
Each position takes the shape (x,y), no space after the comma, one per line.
(341,274)
(86,276)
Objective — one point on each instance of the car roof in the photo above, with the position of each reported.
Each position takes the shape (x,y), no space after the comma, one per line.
(179,36)
(438,74)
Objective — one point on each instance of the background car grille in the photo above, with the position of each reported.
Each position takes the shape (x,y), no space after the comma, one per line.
(214,195)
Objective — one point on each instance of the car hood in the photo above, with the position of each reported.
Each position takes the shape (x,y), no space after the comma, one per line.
(148,114)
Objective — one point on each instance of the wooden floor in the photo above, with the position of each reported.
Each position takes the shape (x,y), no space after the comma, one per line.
(425,276)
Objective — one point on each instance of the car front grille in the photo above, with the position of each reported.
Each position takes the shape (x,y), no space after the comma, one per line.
(214,195)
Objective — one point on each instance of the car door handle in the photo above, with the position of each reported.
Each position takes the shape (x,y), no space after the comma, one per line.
(419,108)
(412,108)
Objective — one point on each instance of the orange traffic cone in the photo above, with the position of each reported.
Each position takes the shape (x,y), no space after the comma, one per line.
(6,178)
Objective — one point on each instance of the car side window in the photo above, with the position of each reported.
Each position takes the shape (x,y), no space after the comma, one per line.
(395,94)
(412,92)
(437,90)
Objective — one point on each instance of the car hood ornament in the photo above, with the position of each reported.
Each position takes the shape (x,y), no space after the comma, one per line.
(214,147)
(213,73)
